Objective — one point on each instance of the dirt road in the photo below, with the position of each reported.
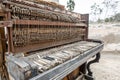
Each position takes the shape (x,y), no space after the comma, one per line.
(108,68)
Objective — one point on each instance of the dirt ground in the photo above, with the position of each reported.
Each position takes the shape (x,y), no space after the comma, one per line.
(109,33)
(109,66)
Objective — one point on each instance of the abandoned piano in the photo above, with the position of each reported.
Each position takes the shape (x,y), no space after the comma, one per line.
(45,41)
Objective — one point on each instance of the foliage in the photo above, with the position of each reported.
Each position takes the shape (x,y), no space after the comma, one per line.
(96,10)
(71,5)
(110,5)
(106,19)
(99,20)
(115,18)
(106,7)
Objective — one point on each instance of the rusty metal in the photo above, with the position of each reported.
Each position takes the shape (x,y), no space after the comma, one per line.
(21,11)
(5,23)
(49,23)
(39,4)
(29,35)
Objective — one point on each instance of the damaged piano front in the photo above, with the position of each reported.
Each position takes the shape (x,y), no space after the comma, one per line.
(45,41)
(51,62)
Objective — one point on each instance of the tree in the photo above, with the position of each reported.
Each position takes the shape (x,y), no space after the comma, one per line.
(117,17)
(110,5)
(99,20)
(71,5)
(96,10)
(106,19)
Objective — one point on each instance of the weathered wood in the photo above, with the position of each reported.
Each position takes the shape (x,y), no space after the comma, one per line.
(66,78)
(49,23)
(3,69)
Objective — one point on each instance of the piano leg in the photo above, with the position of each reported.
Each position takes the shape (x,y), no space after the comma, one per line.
(89,75)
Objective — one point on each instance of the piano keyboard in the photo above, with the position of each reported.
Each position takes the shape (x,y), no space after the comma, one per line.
(46,60)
